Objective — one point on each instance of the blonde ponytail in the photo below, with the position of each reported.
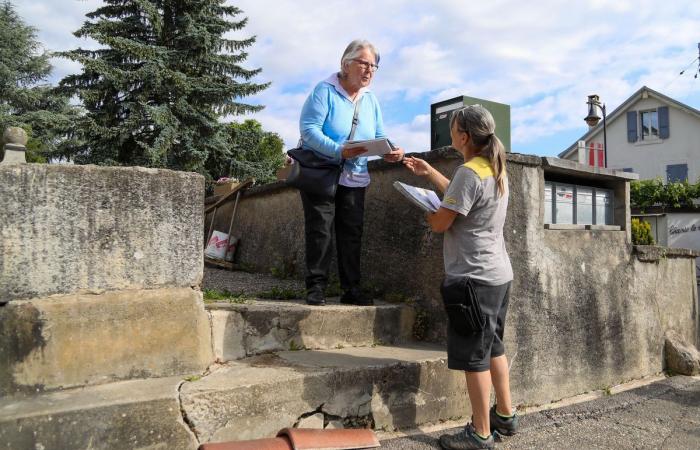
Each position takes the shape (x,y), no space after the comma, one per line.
(478,122)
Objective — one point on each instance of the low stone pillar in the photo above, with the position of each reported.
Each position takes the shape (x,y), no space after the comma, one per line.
(15,139)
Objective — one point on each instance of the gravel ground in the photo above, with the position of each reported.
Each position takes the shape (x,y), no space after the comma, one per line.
(244,282)
(661,415)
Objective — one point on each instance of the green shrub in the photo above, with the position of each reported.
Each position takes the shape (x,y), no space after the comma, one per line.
(641,233)
(647,193)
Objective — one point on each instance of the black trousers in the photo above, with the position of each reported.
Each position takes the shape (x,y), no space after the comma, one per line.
(346,212)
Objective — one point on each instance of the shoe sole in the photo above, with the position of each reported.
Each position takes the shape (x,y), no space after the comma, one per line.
(504,433)
(316,303)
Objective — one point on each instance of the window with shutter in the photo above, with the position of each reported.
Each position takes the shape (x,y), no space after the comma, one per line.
(676,173)
(664,128)
(650,124)
(631,126)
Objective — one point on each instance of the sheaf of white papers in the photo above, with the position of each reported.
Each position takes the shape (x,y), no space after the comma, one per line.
(375,147)
(423,198)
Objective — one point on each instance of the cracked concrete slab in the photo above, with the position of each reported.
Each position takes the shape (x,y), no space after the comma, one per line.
(257,327)
(134,414)
(384,387)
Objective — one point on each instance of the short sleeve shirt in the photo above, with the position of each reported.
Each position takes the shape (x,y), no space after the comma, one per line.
(474,244)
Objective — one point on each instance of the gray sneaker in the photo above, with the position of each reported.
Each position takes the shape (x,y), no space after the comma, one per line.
(465,440)
(505,427)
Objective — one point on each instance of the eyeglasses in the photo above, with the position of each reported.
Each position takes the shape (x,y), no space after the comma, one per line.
(366,65)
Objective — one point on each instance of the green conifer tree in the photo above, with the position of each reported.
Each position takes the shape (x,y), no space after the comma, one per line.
(253,152)
(25,99)
(164,75)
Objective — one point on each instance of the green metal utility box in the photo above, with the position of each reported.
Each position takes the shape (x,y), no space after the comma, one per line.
(440,119)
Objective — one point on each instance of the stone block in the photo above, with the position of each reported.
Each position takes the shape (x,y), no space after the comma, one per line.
(143,414)
(257,327)
(66,228)
(82,339)
(314,421)
(392,387)
(681,358)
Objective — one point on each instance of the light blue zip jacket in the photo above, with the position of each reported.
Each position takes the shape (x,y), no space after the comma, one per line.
(326,121)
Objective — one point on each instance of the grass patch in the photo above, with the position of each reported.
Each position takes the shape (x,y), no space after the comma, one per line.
(282,294)
(398,298)
(192,378)
(214,296)
(333,289)
(420,325)
(294,347)
(284,269)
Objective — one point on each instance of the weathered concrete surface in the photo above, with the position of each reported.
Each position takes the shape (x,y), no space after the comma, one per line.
(80,339)
(585,311)
(662,415)
(143,414)
(387,387)
(240,330)
(67,228)
(681,357)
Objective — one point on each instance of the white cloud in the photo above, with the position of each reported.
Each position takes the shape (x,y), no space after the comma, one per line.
(542,58)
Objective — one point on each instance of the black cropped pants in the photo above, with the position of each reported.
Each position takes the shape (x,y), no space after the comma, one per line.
(346,213)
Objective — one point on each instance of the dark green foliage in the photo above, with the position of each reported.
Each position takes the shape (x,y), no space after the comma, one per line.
(647,193)
(641,232)
(155,90)
(24,101)
(282,294)
(253,152)
(214,296)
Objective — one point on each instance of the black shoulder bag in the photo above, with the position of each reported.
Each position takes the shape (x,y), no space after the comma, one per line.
(316,174)
(462,306)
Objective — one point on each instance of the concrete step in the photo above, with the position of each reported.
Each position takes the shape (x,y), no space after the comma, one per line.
(135,414)
(383,387)
(262,326)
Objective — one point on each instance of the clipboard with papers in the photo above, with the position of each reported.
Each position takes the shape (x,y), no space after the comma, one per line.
(375,147)
(425,199)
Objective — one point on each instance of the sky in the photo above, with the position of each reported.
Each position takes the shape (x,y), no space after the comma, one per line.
(542,58)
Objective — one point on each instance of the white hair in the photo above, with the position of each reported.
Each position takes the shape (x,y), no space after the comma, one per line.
(353,49)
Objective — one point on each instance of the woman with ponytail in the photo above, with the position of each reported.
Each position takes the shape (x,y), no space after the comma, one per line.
(477,271)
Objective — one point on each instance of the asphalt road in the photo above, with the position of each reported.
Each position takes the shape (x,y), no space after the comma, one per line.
(661,415)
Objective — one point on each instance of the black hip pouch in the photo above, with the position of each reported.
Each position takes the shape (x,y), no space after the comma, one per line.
(462,306)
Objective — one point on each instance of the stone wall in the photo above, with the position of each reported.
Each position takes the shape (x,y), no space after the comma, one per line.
(586,311)
(67,228)
(97,269)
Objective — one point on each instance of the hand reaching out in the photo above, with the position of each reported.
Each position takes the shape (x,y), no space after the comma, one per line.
(417,166)
(395,155)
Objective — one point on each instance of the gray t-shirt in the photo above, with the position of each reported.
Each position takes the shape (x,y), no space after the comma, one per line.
(474,244)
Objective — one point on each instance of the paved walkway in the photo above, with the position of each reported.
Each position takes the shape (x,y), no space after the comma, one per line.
(661,415)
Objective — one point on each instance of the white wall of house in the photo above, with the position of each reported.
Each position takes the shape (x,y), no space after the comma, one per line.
(649,158)
(678,230)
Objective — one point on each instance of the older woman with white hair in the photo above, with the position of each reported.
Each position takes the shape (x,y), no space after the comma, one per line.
(325,125)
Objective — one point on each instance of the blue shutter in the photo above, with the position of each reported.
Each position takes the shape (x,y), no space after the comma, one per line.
(676,173)
(664,129)
(631,126)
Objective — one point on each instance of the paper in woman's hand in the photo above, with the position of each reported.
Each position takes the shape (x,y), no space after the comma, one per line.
(425,199)
(375,147)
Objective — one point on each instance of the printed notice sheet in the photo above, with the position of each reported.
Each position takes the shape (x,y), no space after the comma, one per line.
(425,199)
(375,147)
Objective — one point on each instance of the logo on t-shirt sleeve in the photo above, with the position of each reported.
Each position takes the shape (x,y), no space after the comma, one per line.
(449,201)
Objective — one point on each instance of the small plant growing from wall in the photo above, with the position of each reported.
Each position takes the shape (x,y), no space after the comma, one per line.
(641,233)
